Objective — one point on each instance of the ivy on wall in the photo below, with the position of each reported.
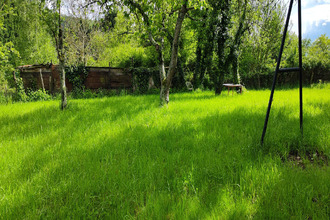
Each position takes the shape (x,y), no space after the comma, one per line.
(141,76)
(77,74)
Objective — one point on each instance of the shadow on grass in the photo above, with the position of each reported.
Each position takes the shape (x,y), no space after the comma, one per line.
(196,96)
(152,171)
(51,119)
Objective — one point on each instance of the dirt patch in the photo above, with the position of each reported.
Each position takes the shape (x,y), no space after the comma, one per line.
(302,159)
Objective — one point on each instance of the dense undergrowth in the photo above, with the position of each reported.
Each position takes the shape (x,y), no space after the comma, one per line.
(200,157)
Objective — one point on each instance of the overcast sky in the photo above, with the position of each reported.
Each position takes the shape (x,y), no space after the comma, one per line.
(315,18)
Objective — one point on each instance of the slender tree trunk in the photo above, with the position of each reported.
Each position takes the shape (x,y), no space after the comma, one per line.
(165,80)
(162,73)
(174,55)
(63,86)
(42,80)
(198,68)
(235,69)
(61,58)
(258,78)
(312,77)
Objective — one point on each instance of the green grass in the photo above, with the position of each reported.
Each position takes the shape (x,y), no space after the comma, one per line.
(198,158)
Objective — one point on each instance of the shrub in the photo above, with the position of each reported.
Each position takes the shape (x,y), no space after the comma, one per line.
(39,95)
(20,95)
(5,98)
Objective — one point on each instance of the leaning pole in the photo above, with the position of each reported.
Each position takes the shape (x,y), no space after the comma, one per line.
(294,69)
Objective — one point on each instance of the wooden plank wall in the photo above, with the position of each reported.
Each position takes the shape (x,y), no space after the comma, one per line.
(98,78)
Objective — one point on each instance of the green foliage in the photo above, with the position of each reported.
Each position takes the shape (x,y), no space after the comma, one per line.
(200,158)
(23,27)
(29,95)
(319,54)
(141,76)
(218,38)
(258,73)
(8,58)
(320,85)
(38,95)
(20,95)
(118,45)
(261,47)
(5,98)
(77,74)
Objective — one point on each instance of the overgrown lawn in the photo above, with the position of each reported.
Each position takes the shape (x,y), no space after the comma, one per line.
(198,158)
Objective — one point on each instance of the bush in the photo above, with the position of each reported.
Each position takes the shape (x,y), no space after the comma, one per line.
(5,98)
(39,95)
(320,85)
(20,95)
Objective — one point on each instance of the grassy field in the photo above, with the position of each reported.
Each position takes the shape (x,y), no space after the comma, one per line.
(198,158)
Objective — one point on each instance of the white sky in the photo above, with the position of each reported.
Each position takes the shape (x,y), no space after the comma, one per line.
(315,15)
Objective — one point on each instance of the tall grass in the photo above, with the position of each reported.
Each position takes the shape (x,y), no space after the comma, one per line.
(200,157)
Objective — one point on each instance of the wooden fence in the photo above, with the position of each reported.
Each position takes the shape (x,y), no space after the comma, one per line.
(47,76)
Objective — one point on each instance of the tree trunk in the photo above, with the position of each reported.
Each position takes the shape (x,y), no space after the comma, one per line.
(162,74)
(197,72)
(63,87)
(161,66)
(180,79)
(312,77)
(219,84)
(42,81)
(61,58)
(235,69)
(174,55)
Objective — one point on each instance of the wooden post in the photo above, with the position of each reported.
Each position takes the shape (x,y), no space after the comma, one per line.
(15,80)
(109,77)
(52,78)
(50,84)
(42,81)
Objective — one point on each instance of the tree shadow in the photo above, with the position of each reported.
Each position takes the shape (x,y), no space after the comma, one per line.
(51,118)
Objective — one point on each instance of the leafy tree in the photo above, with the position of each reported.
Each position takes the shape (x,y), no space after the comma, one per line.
(79,30)
(8,54)
(118,45)
(157,19)
(217,35)
(54,20)
(261,46)
(25,29)
(318,57)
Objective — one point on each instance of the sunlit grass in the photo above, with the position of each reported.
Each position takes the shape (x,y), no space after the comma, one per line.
(200,157)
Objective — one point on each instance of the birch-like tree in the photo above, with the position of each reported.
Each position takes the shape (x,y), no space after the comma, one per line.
(54,20)
(160,19)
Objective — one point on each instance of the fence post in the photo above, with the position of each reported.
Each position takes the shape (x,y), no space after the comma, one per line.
(42,80)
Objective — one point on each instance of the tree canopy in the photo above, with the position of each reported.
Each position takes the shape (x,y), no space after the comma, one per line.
(204,43)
